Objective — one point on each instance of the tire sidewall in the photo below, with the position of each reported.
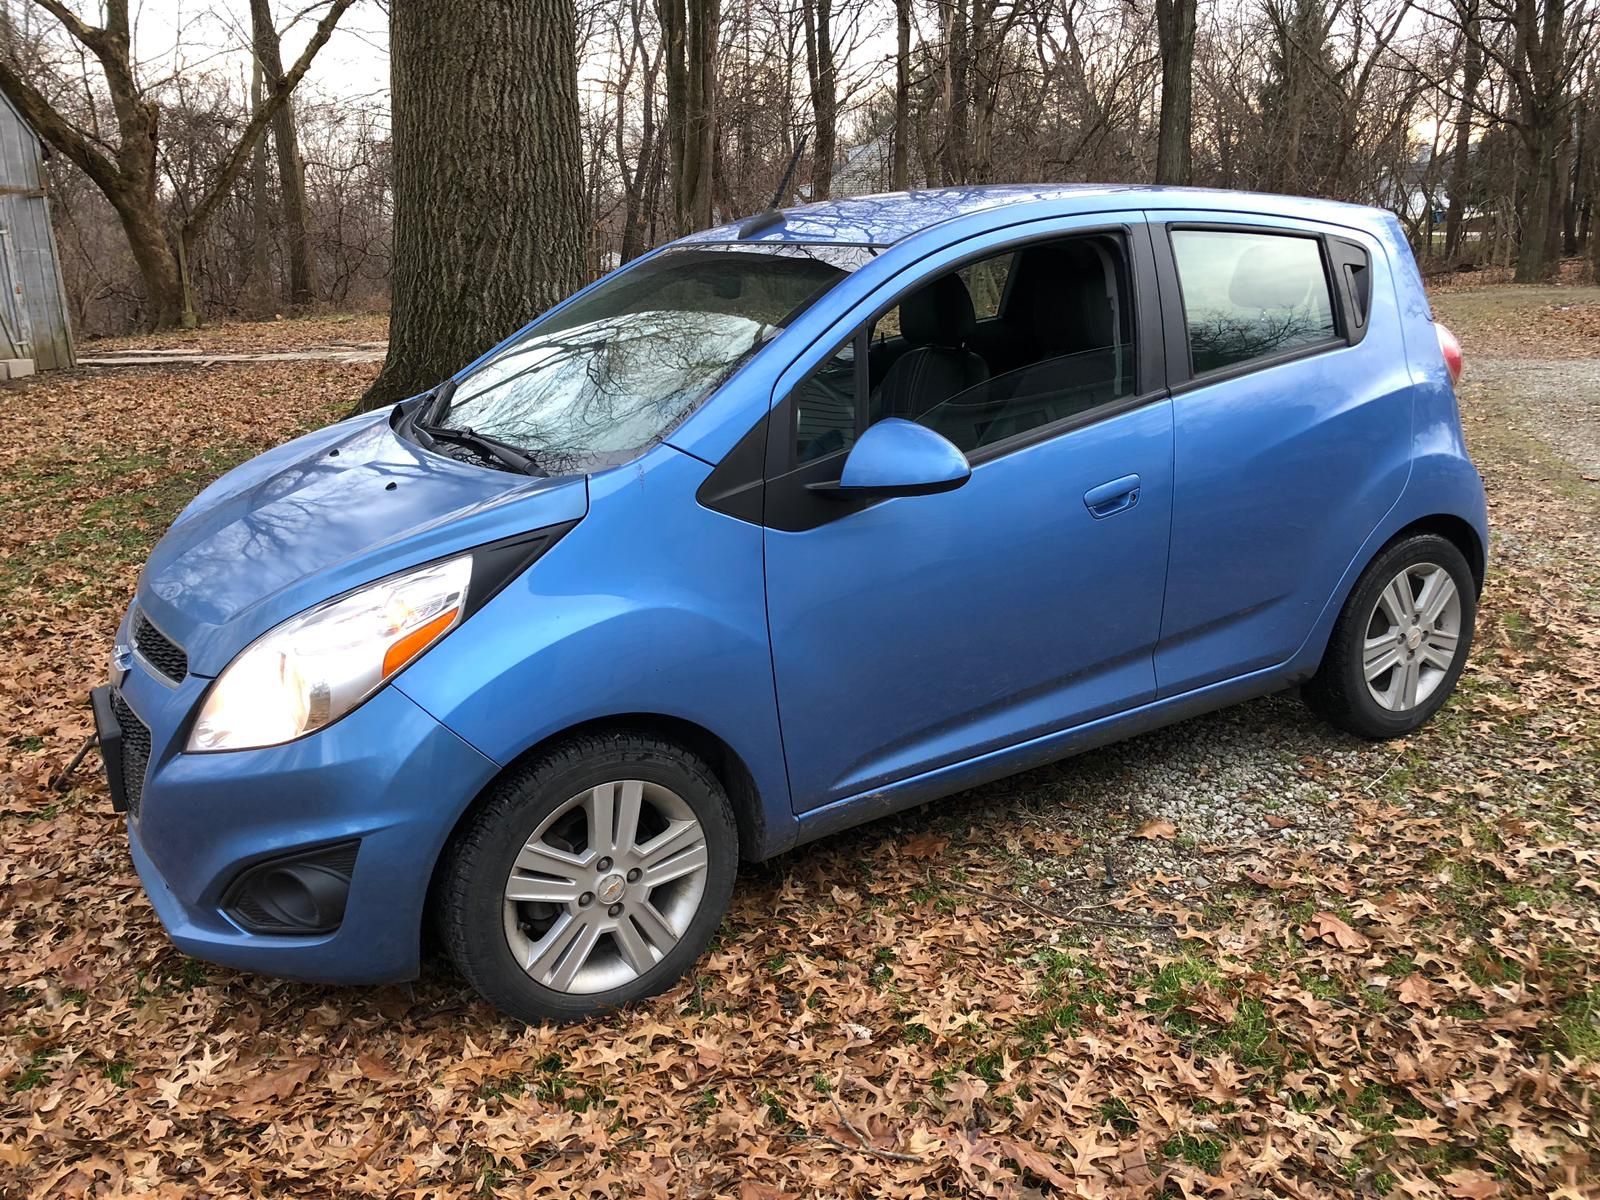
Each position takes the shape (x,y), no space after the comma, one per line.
(1427,548)
(481,938)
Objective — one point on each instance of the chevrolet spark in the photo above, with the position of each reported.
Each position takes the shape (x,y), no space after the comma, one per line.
(783,527)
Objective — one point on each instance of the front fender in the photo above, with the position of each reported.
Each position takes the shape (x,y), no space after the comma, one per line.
(651,605)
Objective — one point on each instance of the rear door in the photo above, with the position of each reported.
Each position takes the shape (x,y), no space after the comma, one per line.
(1292,430)
(920,631)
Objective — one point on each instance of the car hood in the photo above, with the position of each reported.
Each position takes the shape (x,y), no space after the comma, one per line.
(319,516)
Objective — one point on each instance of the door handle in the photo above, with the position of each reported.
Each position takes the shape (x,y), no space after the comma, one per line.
(1113,497)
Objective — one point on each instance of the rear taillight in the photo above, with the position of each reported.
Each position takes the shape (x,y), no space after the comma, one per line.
(1451,349)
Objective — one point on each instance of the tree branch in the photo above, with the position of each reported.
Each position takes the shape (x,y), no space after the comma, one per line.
(56,130)
(240,154)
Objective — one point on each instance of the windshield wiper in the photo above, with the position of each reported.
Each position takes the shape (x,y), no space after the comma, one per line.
(438,400)
(502,452)
(434,407)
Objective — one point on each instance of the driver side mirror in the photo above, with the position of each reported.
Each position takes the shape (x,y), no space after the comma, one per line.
(895,457)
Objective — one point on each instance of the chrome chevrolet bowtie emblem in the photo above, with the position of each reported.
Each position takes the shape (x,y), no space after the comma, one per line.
(121,660)
(609,889)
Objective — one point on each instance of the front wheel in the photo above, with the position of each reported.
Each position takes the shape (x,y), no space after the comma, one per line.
(1401,642)
(592,876)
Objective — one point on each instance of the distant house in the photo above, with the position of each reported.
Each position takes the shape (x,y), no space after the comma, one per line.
(34,330)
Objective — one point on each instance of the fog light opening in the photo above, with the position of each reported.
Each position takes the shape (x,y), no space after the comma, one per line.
(301,893)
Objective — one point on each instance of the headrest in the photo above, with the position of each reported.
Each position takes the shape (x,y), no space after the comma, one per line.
(939,314)
(1060,298)
(1271,275)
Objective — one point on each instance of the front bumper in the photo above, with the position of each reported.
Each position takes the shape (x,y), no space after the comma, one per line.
(387,775)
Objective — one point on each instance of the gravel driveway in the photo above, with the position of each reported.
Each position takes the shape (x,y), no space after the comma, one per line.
(1553,399)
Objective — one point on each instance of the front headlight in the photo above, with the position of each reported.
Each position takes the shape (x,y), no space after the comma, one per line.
(314,668)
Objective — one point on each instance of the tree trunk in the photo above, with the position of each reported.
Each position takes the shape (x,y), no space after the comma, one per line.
(487,187)
(1572,184)
(1534,264)
(901,179)
(291,171)
(956,68)
(689,29)
(1461,161)
(158,265)
(824,85)
(1175,20)
(259,264)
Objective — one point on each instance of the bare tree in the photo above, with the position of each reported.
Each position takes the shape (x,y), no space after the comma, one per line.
(291,172)
(125,170)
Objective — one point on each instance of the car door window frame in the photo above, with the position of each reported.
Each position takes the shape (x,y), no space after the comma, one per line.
(1340,256)
(790,505)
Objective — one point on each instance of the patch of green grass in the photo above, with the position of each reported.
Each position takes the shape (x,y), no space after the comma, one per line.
(120,1073)
(1202,1152)
(776,1112)
(1249,1036)
(35,1073)
(706,1103)
(1578,1026)
(1119,1116)
(882,973)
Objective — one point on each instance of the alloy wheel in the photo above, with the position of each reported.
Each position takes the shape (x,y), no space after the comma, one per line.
(1413,635)
(605,886)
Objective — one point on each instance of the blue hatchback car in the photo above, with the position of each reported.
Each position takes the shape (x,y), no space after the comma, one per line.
(780,528)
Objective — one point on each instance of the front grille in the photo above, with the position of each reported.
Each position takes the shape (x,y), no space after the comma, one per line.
(135,750)
(159,650)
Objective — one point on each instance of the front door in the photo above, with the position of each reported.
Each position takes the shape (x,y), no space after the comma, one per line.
(920,631)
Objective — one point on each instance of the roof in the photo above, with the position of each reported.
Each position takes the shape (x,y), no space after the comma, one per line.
(887,218)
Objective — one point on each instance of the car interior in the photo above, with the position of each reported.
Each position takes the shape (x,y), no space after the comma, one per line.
(1049,337)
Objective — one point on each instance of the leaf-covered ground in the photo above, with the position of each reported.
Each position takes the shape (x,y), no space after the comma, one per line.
(1244,956)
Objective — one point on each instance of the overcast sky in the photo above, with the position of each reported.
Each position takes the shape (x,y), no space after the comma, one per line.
(187,35)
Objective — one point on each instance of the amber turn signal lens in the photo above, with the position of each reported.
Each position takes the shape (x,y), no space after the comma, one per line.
(415,642)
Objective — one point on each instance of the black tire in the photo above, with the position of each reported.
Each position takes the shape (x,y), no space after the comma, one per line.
(1338,692)
(469,903)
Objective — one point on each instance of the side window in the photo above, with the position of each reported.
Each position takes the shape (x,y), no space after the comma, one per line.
(825,407)
(1251,295)
(1056,341)
(986,284)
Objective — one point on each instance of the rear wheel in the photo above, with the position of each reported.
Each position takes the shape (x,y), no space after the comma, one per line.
(592,876)
(1401,642)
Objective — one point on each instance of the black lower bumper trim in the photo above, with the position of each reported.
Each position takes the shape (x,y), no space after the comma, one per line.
(108,733)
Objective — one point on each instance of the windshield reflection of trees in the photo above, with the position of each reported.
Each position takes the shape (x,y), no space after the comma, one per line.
(610,374)
(608,387)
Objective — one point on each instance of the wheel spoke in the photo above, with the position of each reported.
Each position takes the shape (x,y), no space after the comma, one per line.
(1396,601)
(678,851)
(601,806)
(1440,649)
(1380,653)
(629,802)
(560,969)
(657,930)
(1437,592)
(544,953)
(635,947)
(542,888)
(1413,674)
(545,859)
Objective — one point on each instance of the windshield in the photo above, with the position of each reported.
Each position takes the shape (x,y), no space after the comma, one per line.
(611,373)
